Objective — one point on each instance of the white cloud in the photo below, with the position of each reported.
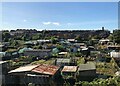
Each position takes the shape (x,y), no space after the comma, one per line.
(56,23)
(46,23)
(51,23)
(24,20)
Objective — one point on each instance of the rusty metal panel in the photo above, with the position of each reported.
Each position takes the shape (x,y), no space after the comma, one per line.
(46,69)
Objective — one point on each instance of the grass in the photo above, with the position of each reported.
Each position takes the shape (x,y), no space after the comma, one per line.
(50,62)
(106,68)
(81,61)
(38,62)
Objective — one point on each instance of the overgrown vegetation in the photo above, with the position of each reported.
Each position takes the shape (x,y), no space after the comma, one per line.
(115,81)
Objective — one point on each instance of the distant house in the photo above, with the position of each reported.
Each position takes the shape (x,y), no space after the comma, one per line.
(79,45)
(86,71)
(15,54)
(113,47)
(43,75)
(62,54)
(91,48)
(117,73)
(30,43)
(55,50)
(115,54)
(72,40)
(21,51)
(40,53)
(104,41)
(85,51)
(64,42)
(69,72)
(74,49)
(8,55)
(63,61)
(43,41)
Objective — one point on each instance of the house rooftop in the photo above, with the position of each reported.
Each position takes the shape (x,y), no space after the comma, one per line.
(88,66)
(117,46)
(69,69)
(24,49)
(84,49)
(63,60)
(39,50)
(46,69)
(42,69)
(1,62)
(71,39)
(23,69)
(102,40)
(61,53)
(80,44)
(43,40)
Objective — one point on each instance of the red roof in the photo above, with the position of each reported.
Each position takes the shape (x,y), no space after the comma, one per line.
(46,69)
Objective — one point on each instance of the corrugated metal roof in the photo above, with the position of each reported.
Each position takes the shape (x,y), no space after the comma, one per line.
(102,40)
(89,66)
(115,54)
(43,69)
(23,69)
(43,40)
(80,44)
(24,49)
(63,53)
(46,69)
(85,49)
(39,50)
(71,39)
(69,69)
(114,46)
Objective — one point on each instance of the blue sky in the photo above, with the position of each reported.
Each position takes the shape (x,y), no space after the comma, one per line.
(60,15)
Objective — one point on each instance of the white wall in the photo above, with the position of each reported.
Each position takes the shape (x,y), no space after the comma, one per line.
(115,54)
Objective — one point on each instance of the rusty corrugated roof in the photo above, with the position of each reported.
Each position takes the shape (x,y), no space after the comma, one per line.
(46,69)
(43,69)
